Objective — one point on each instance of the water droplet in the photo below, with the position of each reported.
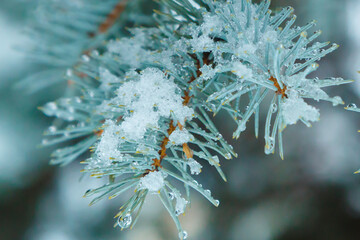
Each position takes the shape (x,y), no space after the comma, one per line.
(78,100)
(227,155)
(70,118)
(134,164)
(71,109)
(124,222)
(208,192)
(171,195)
(270,144)
(44,141)
(85,58)
(217,202)
(242,127)
(69,72)
(352,105)
(183,235)
(52,129)
(95,53)
(274,107)
(51,105)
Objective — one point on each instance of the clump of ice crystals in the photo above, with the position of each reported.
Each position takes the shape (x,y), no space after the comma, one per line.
(107,149)
(295,108)
(242,71)
(180,204)
(195,167)
(131,51)
(148,99)
(153,181)
(179,137)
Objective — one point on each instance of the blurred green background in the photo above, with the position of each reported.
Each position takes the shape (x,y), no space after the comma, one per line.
(312,194)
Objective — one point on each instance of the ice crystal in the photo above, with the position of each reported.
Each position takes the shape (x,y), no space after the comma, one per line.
(151,97)
(179,137)
(153,181)
(295,108)
(195,167)
(107,148)
(180,204)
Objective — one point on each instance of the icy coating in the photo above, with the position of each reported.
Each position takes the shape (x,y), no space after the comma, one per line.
(153,181)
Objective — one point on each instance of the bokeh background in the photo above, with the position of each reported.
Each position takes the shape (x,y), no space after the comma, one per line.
(312,194)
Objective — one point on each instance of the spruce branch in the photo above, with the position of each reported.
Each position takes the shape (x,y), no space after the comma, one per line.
(145,100)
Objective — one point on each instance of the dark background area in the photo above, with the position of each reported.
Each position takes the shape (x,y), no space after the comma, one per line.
(312,194)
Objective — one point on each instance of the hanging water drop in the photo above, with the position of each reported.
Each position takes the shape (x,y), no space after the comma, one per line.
(85,58)
(124,222)
(134,164)
(69,72)
(171,195)
(274,108)
(78,100)
(270,144)
(208,192)
(52,129)
(183,235)
(51,106)
(95,53)
(242,127)
(71,109)
(352,105)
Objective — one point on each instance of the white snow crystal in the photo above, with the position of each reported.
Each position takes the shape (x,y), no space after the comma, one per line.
(141,148)
(207,72)
(180,204)
(247,48)
(108,147)
(130,50)
(242,71)
(294,108)
(179,137)
(195,167)
(212,23)
(201,43)
(151,97)
(153,181)
(106,77)
(214,160)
